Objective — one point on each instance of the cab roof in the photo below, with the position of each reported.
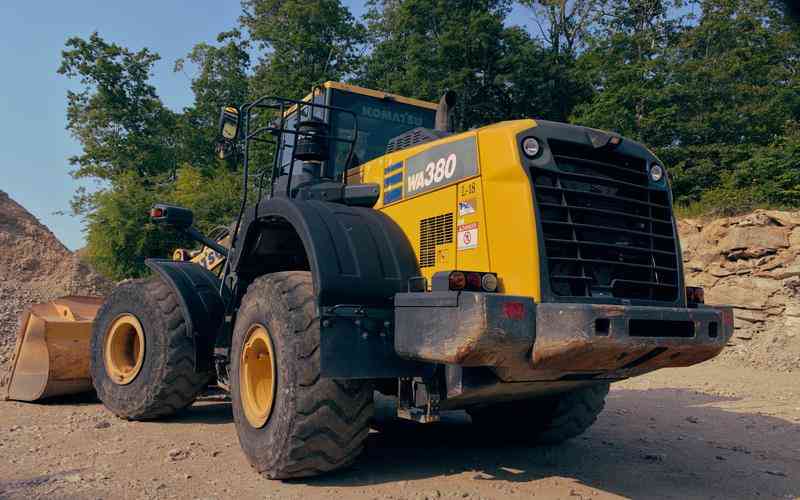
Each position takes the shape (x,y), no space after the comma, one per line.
(355,89)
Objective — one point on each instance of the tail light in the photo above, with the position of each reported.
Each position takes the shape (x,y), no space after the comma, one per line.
(472,281)
(695,296)
(457,281)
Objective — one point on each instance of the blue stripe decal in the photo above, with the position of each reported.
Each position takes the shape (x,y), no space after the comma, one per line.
(391,168)
(393,195)
(398,177)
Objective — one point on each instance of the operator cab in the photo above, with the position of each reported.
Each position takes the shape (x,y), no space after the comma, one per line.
(381,117)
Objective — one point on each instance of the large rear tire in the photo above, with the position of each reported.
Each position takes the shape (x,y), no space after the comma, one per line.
(290,422)
(547,420)
(142,363)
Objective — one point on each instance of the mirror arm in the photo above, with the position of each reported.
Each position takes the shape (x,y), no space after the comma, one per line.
(196,235)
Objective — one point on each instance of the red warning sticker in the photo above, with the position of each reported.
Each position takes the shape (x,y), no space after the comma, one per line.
(467,236)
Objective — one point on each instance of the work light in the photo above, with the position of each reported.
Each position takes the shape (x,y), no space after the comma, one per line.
(656,172)
(531,147)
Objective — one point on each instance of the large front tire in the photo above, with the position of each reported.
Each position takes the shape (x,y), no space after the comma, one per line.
(142,362)
(290,422)
(547,420)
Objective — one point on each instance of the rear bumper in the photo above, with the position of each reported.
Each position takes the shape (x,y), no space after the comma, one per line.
(524,341)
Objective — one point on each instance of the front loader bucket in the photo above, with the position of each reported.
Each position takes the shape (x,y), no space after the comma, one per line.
(52,352)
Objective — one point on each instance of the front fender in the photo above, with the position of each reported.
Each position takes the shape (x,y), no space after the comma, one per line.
(202,303)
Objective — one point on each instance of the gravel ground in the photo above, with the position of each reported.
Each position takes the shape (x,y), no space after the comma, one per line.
(710,431)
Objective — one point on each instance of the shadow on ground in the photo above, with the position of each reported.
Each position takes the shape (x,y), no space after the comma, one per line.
(206,411)
(655,443)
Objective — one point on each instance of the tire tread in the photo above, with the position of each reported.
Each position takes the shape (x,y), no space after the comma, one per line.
(331,419)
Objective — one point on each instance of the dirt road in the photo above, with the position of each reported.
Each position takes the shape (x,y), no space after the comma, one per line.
(707,432)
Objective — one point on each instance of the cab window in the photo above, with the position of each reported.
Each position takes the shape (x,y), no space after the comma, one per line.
(378,122)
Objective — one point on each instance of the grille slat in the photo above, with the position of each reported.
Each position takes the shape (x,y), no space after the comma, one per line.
(607,233)
(612,263)
(603,180)
(601,195)
(601,211)
(606,245)
(607,228)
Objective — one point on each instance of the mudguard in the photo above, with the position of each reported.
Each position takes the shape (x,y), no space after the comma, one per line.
(202,305)
(356,255)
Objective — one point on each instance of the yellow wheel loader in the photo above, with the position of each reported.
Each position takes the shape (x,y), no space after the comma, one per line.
(51,355)
(513,271)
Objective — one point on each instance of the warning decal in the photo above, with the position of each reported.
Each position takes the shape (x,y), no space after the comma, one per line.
(468,236)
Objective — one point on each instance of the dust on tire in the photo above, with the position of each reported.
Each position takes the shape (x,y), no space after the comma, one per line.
(316,424)
(167,381)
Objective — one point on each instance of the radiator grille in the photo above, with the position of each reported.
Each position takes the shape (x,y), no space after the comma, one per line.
(434,231)
(606,233)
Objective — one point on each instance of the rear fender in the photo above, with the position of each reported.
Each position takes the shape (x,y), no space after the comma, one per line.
(355,255)
(201,302)
(358,259)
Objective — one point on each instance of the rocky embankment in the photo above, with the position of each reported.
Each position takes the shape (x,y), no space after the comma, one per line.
(753,263)
(35,267)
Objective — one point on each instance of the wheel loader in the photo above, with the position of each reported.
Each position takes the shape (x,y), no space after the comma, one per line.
(513,271)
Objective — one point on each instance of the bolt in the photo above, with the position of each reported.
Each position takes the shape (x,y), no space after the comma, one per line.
(387,324)
(357,322)
(326,323)
(364,335)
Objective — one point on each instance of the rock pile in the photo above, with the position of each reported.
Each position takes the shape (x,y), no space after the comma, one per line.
(35,267)
(751,262)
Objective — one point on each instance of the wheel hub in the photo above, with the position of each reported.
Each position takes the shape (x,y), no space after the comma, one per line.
(257,376)
(124,349)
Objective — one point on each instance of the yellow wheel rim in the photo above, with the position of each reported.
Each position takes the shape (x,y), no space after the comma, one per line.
(124,349)
(257,376)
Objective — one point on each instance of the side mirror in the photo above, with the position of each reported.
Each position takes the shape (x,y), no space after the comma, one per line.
(182,219)
(229,123)
(171,215)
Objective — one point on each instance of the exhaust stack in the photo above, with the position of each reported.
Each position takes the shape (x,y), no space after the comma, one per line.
(444,113)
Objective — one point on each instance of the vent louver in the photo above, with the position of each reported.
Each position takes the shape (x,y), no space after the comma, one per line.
(434,231)
(414,137)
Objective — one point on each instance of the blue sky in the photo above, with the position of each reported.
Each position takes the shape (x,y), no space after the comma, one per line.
(34,145)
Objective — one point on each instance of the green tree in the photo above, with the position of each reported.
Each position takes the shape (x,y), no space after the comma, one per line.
(117,116)
(214,195)
(420,48)
(143,153)
(222,79)
(563,27)
(119,233)
(768,178)
(302,43)
(736,88)
(628,61)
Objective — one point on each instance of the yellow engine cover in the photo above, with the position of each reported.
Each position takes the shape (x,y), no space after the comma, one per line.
(464,202)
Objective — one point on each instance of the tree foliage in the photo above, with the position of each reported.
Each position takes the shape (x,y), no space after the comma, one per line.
(303,43)
(712,86)
(117,117)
